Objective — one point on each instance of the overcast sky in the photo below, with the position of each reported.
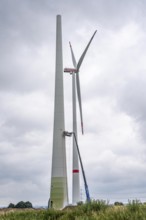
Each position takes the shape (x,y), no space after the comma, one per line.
(113,87)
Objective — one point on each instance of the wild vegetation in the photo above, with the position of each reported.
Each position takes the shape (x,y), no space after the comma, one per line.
(96,210)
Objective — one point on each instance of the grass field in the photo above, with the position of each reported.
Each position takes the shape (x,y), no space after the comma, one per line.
(96,210)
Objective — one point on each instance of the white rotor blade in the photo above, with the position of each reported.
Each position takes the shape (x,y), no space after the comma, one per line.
(84,53)
(78,80)
(79,99)
(77,86)
(73,57)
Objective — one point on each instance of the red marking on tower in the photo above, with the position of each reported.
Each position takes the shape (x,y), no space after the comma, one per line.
(75,171)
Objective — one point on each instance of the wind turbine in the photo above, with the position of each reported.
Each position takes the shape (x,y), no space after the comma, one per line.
(76,87)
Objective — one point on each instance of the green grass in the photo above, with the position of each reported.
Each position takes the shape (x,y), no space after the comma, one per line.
(96,210)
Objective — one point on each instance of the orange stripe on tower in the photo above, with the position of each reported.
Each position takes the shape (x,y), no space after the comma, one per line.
(75,171)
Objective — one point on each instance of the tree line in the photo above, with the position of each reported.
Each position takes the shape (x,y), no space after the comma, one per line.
(21,205)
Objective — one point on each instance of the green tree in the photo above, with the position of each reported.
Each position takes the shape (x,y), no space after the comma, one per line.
(11,205)
(28,204)
(20,204)
(118,203)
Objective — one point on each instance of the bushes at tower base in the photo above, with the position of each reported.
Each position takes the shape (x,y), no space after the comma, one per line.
(21,205)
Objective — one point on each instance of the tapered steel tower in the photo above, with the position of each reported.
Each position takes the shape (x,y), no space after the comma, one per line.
(75,164)
(59,191)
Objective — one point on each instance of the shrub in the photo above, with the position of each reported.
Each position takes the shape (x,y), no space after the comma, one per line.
(118,203)
(80,203)
(28,204)
(23,205)
(11,205)
(20,204)
(134,205)
(95,205)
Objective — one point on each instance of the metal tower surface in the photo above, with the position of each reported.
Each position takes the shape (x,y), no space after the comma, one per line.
(59,191)
(75,165)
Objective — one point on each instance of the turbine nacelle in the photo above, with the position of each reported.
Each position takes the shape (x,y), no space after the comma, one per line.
(70,70)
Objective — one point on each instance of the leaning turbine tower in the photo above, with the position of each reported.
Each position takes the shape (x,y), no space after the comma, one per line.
(58,191)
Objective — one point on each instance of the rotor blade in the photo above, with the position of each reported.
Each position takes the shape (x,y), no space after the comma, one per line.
(73,57)
(84,53)
(79,99)
(78,86)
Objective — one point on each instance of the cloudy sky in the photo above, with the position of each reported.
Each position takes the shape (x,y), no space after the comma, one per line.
(113,79)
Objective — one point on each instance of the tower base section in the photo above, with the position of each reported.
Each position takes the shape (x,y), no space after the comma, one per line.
(58,197)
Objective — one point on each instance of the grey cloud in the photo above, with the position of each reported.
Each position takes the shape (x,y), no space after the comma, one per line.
(19,72)
(132,101)
(26,22)
(112,91)
(24,32)
(114,175)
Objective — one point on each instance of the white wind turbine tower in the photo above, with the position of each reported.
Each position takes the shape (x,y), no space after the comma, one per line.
(58,189)
(76,87)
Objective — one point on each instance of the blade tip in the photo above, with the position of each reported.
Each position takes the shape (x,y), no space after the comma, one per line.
(95,32)
(82,128)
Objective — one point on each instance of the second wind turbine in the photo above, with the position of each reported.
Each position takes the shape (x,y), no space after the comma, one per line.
(76,86)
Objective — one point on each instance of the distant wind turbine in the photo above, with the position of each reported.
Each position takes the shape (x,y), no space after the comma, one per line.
(76,86)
